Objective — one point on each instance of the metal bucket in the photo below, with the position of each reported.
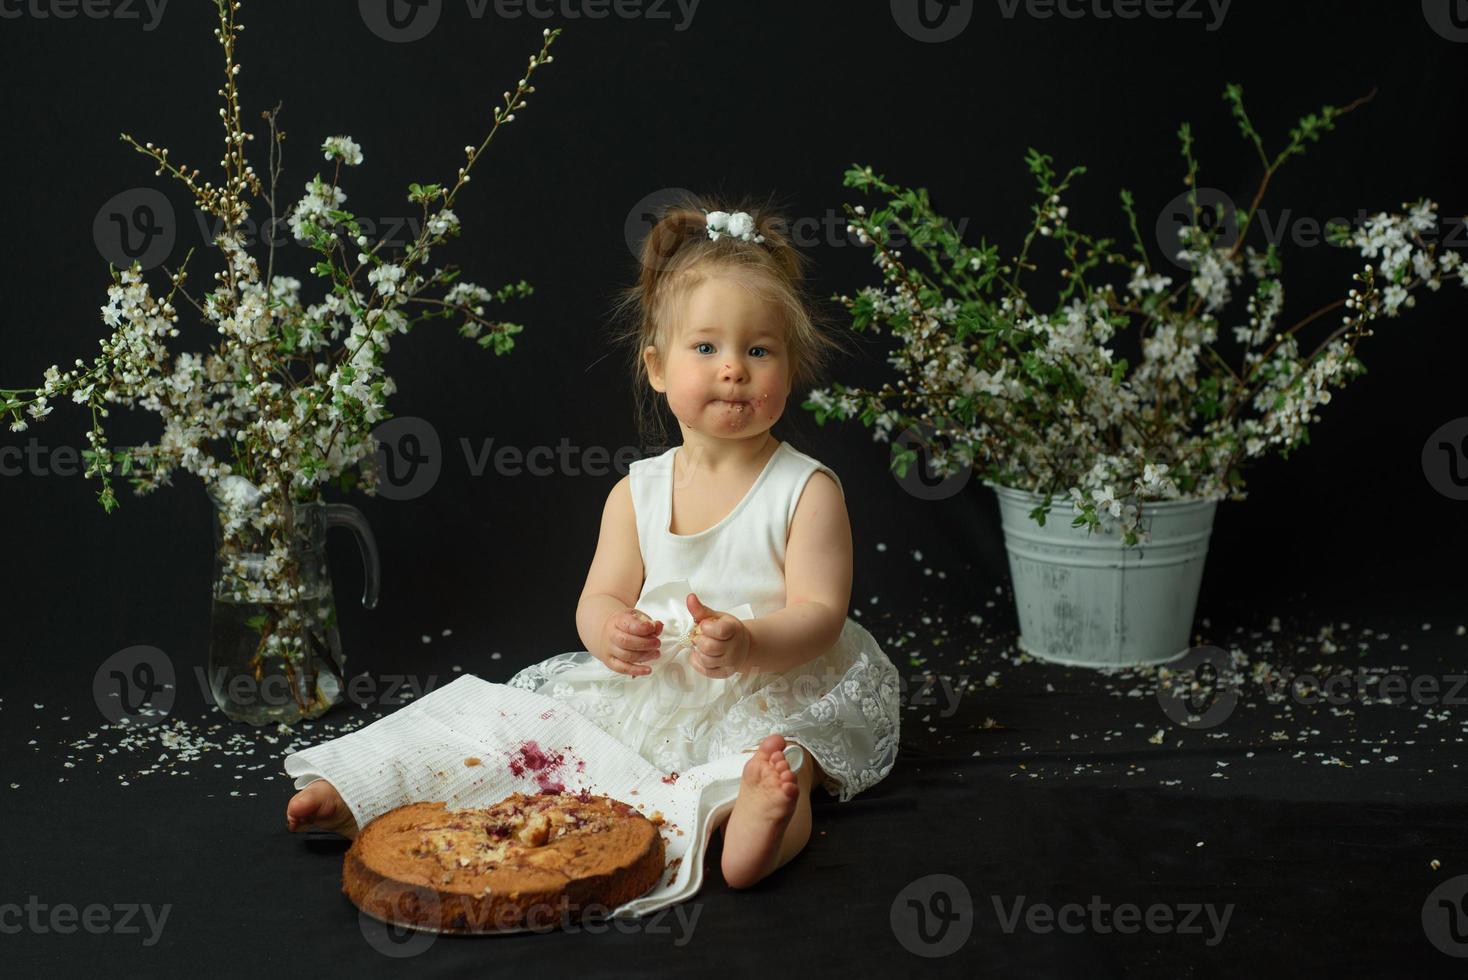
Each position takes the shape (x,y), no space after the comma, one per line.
(1092,601)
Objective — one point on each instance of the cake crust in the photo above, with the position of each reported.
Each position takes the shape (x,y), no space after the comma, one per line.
(530,861)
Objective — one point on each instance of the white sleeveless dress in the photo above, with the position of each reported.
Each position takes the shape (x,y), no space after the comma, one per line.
(841,706)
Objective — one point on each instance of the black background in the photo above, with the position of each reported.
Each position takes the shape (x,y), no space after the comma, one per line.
(753,98)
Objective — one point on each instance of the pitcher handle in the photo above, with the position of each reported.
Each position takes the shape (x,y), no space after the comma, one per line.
(345,515)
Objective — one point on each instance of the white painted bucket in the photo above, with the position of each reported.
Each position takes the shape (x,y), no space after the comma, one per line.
(1095,602)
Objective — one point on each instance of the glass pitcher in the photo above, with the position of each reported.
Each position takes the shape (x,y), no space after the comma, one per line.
(274,650)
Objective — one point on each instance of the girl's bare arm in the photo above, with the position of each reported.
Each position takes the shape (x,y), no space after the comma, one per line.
(817,583)
(615,579)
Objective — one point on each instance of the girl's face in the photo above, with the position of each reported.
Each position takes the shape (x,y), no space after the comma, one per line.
(725,370)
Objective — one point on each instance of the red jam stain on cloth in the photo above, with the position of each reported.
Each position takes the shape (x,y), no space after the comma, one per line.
(545,766)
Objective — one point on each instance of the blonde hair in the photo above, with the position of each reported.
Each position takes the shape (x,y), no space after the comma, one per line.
(677,255)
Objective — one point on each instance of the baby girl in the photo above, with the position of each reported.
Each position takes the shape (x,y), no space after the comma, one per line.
(722,335)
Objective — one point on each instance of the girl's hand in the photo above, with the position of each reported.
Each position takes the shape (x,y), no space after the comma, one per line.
(721,641)
(628,639)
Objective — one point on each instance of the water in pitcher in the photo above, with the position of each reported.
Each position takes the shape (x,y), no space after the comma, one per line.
(275,662)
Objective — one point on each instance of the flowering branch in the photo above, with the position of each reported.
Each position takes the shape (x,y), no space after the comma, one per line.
(1044,401)
(292,390)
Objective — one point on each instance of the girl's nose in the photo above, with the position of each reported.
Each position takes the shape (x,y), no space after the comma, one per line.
(732,371)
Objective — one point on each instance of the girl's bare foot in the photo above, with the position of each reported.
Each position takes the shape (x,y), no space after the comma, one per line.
(766,802)
(320,807)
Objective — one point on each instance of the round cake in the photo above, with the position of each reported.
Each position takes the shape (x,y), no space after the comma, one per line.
(528,861)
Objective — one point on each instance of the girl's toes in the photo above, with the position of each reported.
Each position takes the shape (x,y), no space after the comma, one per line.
(772,744)
(299,811)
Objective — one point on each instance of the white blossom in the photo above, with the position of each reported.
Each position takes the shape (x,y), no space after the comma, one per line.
(344,149)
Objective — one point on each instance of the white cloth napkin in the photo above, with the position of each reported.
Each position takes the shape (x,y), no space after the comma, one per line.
(418,753)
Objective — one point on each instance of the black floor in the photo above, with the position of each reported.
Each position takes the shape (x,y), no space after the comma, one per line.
(1295,838)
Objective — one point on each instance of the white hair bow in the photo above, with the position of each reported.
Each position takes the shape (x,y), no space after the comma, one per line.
(738,225)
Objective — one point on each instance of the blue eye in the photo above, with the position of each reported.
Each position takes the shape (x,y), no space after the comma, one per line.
(704,343)
(758,348)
